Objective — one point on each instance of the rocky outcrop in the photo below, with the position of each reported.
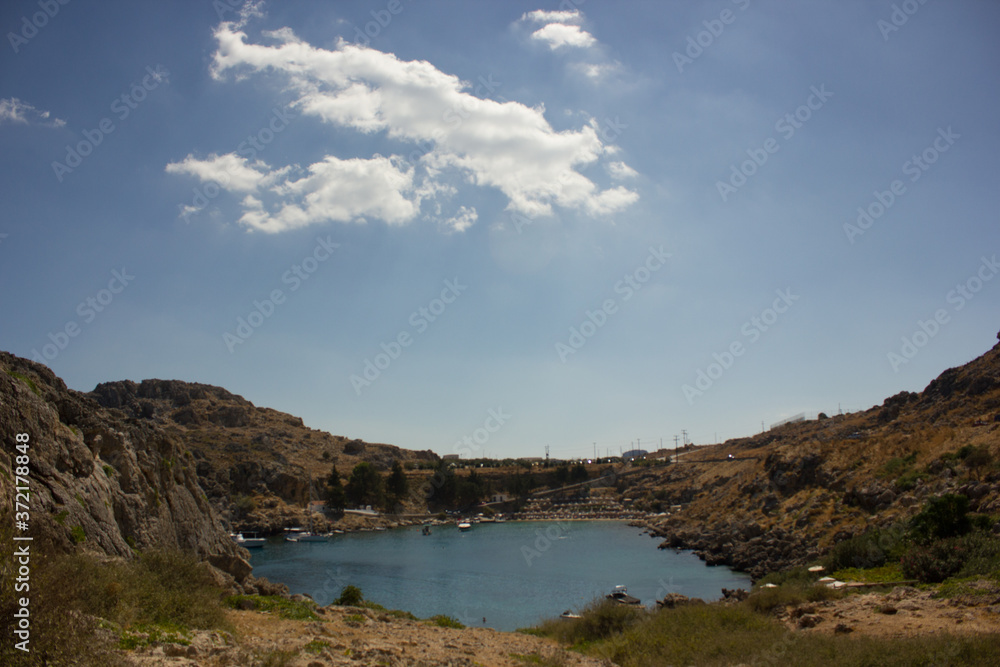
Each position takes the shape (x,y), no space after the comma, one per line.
(743,546)
(242,450)
(101,477)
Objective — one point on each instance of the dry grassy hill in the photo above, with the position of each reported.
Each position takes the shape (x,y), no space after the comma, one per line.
(790,493)
(244,452)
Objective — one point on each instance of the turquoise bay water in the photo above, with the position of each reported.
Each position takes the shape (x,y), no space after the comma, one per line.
(514,574)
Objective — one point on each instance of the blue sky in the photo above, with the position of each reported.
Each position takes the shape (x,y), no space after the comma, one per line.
(577,225)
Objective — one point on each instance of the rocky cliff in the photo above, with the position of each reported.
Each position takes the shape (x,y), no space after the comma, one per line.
(259,467)
(99,477)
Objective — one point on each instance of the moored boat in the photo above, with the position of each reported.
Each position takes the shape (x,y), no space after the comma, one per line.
(252,542)
(464,526)
(306,536)
(621,596)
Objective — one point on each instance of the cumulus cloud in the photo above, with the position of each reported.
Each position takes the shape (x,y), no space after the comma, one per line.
(13,110)
(230,171)
(560,29)
(558,35)
(507,146)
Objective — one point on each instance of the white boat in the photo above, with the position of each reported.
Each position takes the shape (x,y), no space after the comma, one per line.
(253,541)
(621,596)
(248,542)
(464,526)
(306,536)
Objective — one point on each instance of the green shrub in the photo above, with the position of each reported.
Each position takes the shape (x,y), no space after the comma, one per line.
(600,619)
(154,598)
(933,564)
(981,552)
(886,573)
(443,621)
(800,576)
(350,596)
(942,517)
(873,548)
(908,480)
(698,635)
(78,534)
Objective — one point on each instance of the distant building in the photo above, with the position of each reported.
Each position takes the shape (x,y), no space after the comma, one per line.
(317,506)
(633,454)
(450,457)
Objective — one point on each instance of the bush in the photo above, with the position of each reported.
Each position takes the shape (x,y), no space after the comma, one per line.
(933,564)
(873,548)
(600,619)
(699,635)
(350,596)
(443,621)
(161,594)
(942,517)
(981,551)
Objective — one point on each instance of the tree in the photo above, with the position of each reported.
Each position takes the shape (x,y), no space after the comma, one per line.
(977,460)
(397,486)
(942,517)
(336,499)
(365,486)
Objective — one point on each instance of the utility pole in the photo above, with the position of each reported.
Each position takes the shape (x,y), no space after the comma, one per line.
(685,434)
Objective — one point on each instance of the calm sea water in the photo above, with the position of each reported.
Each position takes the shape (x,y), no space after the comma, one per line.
(514,574)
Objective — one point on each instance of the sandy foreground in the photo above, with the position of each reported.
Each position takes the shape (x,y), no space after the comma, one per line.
(347,636)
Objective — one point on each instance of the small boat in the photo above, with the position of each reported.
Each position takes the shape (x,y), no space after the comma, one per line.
(307,536)
(568,614)
(426,530)
(620,595)
(464,526)
(252,542)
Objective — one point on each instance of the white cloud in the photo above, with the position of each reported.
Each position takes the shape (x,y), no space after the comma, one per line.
(13,110)
(230,171)
(558,35)
(331,190)
(462,220)
(620,171)
(542,16)
(563,33)
(508,145)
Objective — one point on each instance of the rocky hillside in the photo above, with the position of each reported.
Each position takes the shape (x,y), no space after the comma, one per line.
(99,477)
(789,494)
(242,451)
